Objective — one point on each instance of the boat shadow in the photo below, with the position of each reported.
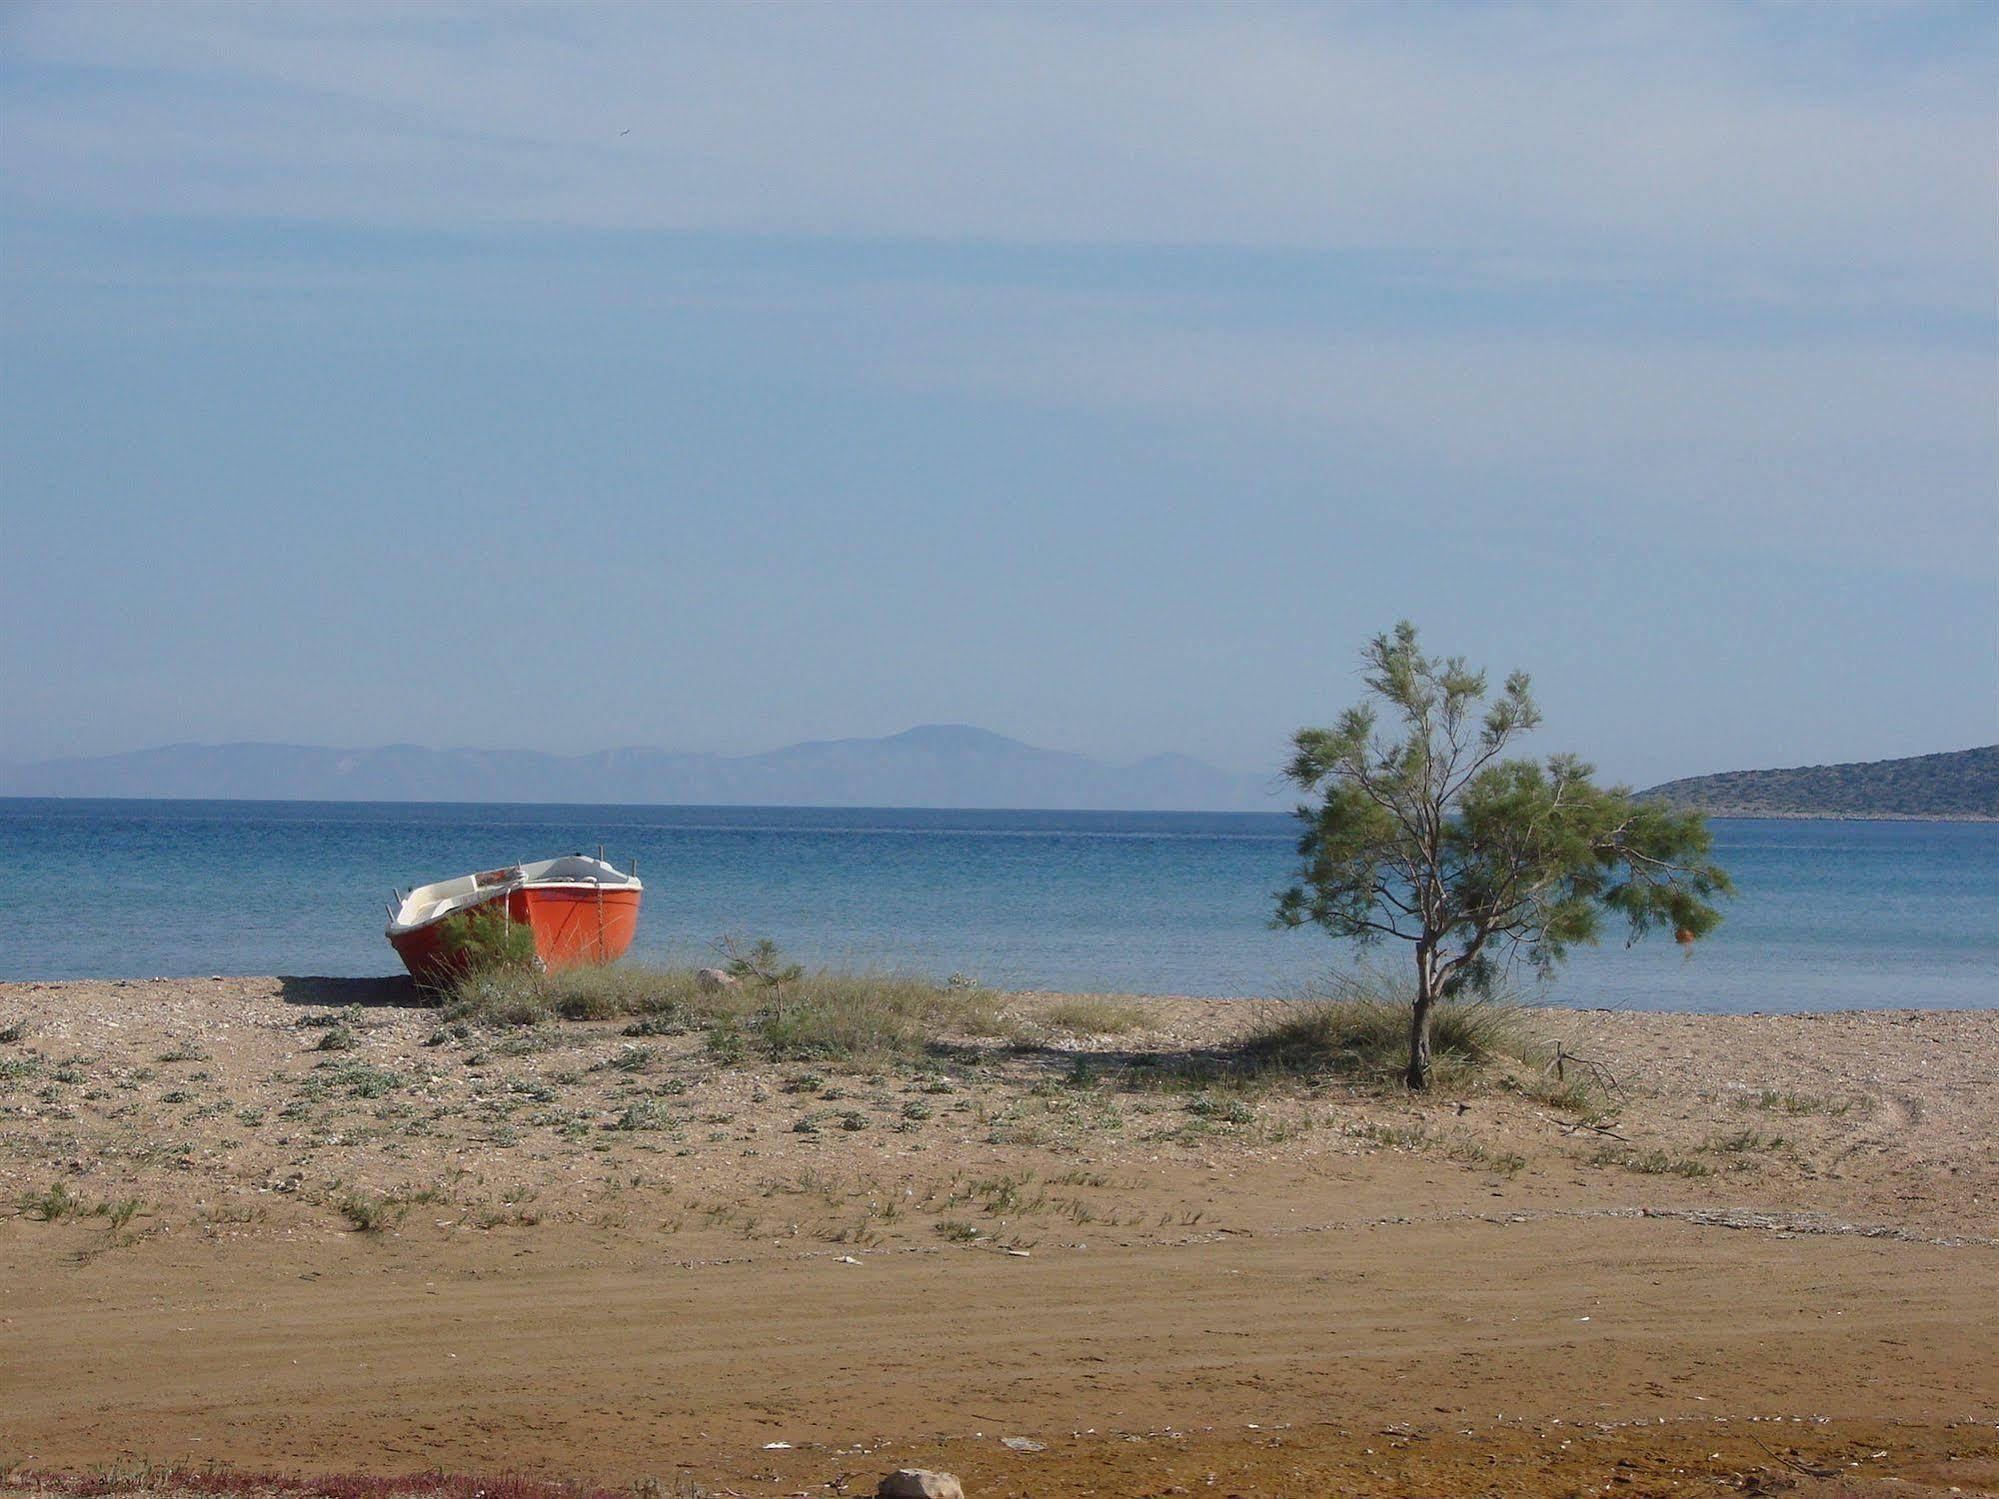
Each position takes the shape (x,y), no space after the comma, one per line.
(391,991)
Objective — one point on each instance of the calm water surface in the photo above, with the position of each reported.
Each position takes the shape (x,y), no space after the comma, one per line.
(1831,915)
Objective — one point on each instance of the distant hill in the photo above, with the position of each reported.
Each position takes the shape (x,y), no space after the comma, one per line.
(1960,784)
(940,765)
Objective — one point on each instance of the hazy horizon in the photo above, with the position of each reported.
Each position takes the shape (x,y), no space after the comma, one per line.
(560,378)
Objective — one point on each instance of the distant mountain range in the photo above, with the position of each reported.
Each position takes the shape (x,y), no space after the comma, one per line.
(1960,784)
(940,765)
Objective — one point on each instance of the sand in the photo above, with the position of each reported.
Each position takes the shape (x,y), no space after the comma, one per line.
(611,1257)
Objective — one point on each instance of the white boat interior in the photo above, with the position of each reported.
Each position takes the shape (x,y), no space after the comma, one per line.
(434,902)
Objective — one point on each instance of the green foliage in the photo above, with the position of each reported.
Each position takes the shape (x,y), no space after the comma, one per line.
(484,939)
(1424,833)
(1360,1030)
(338,1038)
(370,1214)
(788,1014)
(759,965)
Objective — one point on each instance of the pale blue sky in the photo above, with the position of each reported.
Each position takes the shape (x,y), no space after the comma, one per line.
(719,377)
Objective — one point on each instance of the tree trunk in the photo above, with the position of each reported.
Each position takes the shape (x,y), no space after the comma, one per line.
(1418,1075)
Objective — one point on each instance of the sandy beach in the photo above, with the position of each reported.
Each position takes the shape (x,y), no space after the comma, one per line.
(1768,1257)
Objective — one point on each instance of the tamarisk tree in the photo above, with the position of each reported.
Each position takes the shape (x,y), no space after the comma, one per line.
(1425,833)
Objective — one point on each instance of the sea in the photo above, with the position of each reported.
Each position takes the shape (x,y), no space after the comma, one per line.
(1828,916)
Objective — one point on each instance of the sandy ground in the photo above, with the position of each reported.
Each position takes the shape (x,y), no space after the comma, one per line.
(1775,1257)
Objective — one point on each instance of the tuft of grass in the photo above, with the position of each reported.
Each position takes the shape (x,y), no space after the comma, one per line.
(1746,1142)
(370,1214)
(1801,1105)
(855,1019)
(1653,1163)
(643,1114)
(52,1206)
(1090,1015)
(1359,1029)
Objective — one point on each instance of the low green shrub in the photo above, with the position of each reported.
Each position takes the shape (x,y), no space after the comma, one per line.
(1357,1027)
(850,1018)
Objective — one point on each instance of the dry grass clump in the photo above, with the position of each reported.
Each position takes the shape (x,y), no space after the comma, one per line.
(823,1016)
(1359,1028)
(1090,1015)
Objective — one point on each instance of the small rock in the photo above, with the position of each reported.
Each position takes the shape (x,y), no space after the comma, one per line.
(919,1483)
(1023,1444)
(714,980)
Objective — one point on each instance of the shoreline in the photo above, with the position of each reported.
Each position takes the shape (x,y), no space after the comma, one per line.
(1280,813)
(585,1252)
(370,988)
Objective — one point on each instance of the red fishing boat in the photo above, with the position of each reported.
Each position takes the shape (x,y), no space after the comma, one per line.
(580,910)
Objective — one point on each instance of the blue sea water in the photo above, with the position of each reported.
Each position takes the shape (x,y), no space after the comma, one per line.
(1830,915)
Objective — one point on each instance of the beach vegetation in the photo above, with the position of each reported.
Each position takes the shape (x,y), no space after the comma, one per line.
(337,1038)
(1356,1026)
(849,1018)
(758,964)
(370,1214)
(1801,1105)
(486,938)
(1089,1015)
(1653,1163)
(53,1205)
(1425,832)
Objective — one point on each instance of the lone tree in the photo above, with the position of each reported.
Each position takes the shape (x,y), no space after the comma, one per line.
(1426,835)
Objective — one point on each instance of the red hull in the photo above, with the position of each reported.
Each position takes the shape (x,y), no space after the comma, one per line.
(572,925)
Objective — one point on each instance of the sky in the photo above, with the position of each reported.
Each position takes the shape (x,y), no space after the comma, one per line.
(565,377)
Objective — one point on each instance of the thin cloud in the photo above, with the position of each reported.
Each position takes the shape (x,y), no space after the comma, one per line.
(1720,135)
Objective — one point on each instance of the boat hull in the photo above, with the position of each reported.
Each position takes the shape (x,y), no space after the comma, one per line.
(573,925)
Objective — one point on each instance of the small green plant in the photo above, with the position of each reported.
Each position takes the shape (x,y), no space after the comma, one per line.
(666,1022)
(727,1044)
(957,1231)
(13,1032)
(337,1038)
(57,1203)
(1746,1142)
(370,1214)
(643,1114)
(1654,1163)
(759,965)
(1224,1111)
(488,938)
(1800,1105)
